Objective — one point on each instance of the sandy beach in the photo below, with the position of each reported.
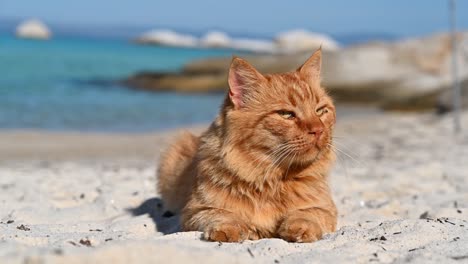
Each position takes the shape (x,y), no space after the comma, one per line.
(400,185)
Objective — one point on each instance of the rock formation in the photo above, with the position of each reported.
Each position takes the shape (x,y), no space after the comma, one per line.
(167,38)
(301,40)
(33,29)
(410,74)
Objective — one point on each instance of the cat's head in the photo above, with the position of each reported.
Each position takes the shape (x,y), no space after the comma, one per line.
(288,116)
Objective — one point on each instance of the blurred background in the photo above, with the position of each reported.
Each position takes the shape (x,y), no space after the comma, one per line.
(120,66)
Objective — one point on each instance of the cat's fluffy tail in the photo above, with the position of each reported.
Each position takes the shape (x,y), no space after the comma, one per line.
(175,172)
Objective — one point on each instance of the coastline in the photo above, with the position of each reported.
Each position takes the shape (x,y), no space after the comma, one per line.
(24,145)
(38,144)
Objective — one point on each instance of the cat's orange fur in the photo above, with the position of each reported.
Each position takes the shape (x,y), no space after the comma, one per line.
(261,168)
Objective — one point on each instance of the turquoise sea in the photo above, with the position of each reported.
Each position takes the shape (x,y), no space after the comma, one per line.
(51,85)
(68,83)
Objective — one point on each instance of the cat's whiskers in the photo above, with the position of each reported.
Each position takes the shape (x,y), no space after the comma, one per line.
(343,145)
(267,156)
(279,160)
(354,140)
(290,163)
(341,162)
(279,155)
(345,150)
(340,151)
(292,151)
(276,159)
(269,153)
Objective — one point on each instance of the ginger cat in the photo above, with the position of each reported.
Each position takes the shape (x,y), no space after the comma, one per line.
(260,170)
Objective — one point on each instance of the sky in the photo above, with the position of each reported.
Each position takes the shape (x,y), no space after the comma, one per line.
(398,17)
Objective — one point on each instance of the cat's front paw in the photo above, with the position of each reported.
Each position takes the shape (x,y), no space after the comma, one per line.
(235,231)
(300,230)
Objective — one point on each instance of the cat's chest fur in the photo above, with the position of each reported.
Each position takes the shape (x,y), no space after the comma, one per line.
(264,203)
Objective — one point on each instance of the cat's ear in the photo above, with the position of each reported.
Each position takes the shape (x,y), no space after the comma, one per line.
(242,77)
(310,70)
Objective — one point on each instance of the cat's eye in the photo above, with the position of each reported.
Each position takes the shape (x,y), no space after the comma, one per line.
(286,114)
(321,111)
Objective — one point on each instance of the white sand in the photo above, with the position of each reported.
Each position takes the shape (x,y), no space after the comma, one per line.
(67,188)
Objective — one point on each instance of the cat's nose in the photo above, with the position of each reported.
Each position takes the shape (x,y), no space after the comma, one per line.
(316,131)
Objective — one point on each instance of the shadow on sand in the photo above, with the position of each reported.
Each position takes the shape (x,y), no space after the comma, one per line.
(165,222)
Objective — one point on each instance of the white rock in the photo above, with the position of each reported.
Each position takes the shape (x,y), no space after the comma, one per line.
(288,42)
(254,45)
(168,38)
(302,40)
(215,39)
(34,29)
(221,39)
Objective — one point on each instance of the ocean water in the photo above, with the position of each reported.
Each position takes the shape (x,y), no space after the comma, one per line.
(49,85)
